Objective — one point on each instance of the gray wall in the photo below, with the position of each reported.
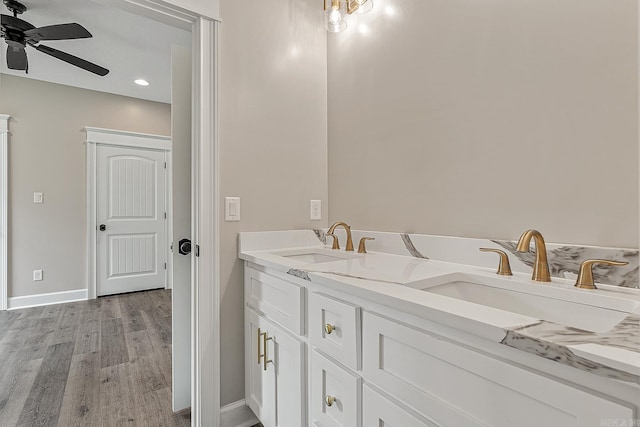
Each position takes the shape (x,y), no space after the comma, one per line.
(273,141)
(47,154)
(483,119)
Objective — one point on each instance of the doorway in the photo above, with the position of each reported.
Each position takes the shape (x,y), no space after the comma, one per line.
(131,212)
(205,286)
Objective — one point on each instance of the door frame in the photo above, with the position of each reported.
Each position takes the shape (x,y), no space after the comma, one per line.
(124,139)
(4,205)
(203,22)
(205,190)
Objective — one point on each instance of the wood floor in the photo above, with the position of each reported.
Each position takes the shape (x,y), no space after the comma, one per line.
(105,362)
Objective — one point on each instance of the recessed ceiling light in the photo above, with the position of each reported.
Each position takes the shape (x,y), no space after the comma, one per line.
(141,82)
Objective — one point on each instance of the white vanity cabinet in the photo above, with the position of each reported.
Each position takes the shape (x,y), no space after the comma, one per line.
(275,361)
(456,386)
(333,360)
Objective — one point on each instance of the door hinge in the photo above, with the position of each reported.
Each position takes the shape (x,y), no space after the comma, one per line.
(197,250)
(165,265)
(165,165)
(165,215)
(171,247)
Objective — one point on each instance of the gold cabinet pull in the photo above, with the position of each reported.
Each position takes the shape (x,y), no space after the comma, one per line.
(585,276)
(265,358)
(504,268)
(362,248)
(330,400)
(336,244)
(329,328)
(260,355)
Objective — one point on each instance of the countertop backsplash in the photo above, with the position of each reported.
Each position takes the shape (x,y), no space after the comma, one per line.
(564,259)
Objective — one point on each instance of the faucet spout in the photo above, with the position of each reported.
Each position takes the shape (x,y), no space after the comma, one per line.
(347,228)
(541,265)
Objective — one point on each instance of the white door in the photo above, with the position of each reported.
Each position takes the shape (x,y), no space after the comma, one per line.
(131,234)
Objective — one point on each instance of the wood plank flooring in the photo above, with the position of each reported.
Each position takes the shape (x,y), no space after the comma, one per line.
(105,362)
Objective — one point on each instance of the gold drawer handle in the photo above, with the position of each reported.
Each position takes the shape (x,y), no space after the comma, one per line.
(329,328)
(265,358)
(330,400)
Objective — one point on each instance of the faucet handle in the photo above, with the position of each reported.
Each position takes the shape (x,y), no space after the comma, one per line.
(585,276)
(362,249)
(336,244)
(504,267)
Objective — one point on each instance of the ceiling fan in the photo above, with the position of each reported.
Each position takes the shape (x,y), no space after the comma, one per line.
(19,34)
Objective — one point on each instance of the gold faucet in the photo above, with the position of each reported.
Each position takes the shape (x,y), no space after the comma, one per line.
(585,277)
(504,267)
(541,266)
(349,247)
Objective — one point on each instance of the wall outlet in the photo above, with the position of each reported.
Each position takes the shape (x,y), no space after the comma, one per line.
(37,275)
(38,198)
(316,210)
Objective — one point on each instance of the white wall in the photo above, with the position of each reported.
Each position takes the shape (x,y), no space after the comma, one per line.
(484,119)
(47,154)
(273,140)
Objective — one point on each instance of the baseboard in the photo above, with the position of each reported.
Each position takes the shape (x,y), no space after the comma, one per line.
(237,414)
(15,303)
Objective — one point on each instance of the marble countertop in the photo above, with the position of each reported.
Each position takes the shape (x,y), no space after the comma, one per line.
(396,281)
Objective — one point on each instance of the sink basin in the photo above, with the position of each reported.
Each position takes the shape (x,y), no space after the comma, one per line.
(314,258)
(573,308)
(314,255)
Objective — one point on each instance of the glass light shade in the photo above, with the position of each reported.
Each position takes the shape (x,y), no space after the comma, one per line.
(364,6)
(334,16)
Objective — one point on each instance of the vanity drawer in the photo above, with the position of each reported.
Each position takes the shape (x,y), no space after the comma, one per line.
(334,328)
(454,385)
(279,300)
(379,411)
(335,394)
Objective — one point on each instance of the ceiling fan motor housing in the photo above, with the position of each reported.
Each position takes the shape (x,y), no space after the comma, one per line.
(14,6)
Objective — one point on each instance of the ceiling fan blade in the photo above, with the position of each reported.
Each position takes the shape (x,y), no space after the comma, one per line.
(17,58)
(16,23)
(58,32)
(73,60)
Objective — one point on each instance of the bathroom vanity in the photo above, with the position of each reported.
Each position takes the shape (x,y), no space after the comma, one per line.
(336,338)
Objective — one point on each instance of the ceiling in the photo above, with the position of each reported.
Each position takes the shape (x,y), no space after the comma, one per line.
(130,46)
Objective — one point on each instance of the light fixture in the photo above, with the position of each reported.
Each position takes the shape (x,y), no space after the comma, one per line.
(336,10)
(141,82)
(364,6)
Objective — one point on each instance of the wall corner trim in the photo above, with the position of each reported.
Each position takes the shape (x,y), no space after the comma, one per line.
(4,205)
(47,299)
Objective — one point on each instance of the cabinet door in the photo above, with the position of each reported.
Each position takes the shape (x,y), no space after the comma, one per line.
(260,384)
(289,363)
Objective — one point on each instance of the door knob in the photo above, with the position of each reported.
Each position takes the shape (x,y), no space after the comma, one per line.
(102,227)
(184,247)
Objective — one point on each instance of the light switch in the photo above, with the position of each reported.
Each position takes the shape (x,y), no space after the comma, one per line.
(37,275)
(38,198)
(316,210)
(232,208)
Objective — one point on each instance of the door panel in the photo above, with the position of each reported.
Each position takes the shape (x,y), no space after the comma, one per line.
(131,252)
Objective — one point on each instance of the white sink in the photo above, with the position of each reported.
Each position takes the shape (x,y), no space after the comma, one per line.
(314,256)
(574,308)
